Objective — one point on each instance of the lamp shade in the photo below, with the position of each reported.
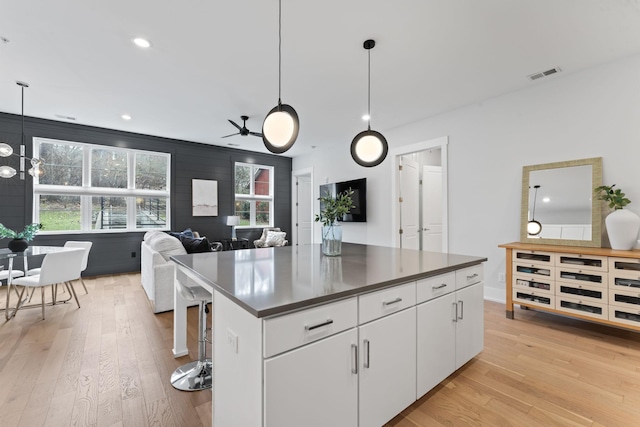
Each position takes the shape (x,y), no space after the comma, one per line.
(280,128)
(369,148)
(233,220)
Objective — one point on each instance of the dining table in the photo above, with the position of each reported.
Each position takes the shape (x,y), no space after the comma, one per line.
(31,252)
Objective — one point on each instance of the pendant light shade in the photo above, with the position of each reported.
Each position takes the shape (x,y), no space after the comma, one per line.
(369,148)
(280,127)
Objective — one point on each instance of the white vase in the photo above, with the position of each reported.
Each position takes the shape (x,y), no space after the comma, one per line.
(622,229)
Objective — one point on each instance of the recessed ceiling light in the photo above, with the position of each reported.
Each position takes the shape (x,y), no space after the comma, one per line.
(546,200)
(126,117)
(366,117)
(140,42)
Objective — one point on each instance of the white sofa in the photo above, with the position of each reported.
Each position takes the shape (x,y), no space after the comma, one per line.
(157,270)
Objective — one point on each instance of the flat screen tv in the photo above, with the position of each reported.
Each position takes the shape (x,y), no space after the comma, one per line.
(359,197)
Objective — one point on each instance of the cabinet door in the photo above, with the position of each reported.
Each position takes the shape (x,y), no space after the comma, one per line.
(470,324)
(436,343)
(315,385)
(387,367)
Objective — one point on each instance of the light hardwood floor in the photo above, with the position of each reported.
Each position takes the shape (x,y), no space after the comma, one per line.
(108,364)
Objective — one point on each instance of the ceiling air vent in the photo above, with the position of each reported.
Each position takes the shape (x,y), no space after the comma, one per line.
(542,74)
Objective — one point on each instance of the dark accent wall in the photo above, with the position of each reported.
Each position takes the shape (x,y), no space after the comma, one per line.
(112,252)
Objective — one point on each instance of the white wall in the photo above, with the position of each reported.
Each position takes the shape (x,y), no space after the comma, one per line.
(593,113)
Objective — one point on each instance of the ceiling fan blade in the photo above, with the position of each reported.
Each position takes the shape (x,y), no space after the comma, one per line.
(235,124)
(227,136)
(258,134)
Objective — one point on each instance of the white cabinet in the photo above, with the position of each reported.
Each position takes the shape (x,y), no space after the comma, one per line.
(315,385)
(470,323)
(387,367)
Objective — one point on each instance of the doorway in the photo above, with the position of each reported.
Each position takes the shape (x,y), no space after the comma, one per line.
(302,207)
(420,196)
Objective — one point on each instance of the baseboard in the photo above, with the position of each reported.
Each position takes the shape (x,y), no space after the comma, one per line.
(495,294)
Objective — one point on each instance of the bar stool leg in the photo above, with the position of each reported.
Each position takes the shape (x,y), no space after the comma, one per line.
(196,375)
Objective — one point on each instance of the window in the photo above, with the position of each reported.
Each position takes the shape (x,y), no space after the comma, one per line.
(88,187)
(254,195)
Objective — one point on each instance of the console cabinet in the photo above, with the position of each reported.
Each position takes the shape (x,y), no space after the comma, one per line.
(595,284)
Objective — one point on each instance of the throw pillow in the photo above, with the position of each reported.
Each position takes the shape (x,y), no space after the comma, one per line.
(275,238)
(194,246)
(166,245)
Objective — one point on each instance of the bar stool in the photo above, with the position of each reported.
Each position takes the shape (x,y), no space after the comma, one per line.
(195,375)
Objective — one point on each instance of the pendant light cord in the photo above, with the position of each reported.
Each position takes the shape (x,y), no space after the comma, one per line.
(22,140)
(535,197)
(279,50)
(369,93)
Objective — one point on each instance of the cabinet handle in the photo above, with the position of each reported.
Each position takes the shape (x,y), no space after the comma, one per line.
(473,276)
(354,359)
(461,310)
(366,353)
(319,325)
(455,318)
(386,303)
(444,285)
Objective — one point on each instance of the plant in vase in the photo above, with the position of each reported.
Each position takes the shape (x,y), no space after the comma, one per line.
(622,224)
(331,209)
(20,239)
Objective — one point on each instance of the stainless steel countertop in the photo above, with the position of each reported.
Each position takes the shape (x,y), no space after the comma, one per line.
(271,281)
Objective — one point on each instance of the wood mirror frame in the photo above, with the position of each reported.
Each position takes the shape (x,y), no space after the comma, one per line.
(596,204)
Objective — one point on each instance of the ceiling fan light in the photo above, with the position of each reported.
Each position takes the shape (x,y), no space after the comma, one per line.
(7,172)
(280,128)
(5,150)
(369,148)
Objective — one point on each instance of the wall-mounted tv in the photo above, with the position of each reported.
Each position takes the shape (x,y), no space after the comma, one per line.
(359,197)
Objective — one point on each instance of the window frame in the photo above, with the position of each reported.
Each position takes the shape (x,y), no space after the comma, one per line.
(252,198)
(86,191)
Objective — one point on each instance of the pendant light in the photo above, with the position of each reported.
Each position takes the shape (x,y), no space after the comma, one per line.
(6,150)
(369,148)
(534,227)
(280,127)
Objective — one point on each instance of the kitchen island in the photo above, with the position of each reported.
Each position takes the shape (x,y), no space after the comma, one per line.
(304,339)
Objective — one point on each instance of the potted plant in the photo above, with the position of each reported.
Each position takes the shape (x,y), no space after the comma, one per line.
(622,224)
(20,239)
(332,208)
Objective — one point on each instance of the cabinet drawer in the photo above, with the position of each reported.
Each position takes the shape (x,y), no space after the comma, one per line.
(427,289)
(585,277)
(624,316)
(469,276)
(381,303)
(526,283)
(540,299)
(624,279)
(534,270)
(625,298)
(289,331)
(625,265)
(533,257)
(597,294)
(582,306)
(582,262)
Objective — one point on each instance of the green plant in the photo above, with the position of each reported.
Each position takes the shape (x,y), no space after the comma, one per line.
(28,233)
(335,207)
(615,198)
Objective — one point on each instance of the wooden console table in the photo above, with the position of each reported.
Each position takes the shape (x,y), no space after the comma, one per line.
(596,284)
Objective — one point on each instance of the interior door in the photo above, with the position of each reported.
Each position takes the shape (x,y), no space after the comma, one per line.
(432,208)
(303,214)
(410,204)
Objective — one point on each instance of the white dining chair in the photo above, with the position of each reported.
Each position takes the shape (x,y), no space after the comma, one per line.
(71,244)
(57,267)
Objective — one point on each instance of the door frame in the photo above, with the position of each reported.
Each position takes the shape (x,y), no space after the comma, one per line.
(442,143)
(294,200)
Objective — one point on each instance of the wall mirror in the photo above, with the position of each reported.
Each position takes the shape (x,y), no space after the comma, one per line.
(558,203)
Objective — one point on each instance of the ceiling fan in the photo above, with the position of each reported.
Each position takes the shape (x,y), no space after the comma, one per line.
(242,130)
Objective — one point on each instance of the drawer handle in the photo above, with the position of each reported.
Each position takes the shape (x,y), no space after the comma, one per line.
(366,354)
(354,359)
(319,325)
(473,276)
(395,301)
(444,285)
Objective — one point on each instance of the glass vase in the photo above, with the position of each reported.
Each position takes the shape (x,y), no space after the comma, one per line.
(332,239)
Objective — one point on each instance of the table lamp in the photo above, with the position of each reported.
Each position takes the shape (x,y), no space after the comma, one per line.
(233,221)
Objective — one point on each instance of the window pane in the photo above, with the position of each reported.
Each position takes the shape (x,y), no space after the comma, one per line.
(60,213)
(262,213)
(243,210)
(108,213)
(243,179)
(108,168)
(151,212)
(62,164)
(151,172)
(261,182)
